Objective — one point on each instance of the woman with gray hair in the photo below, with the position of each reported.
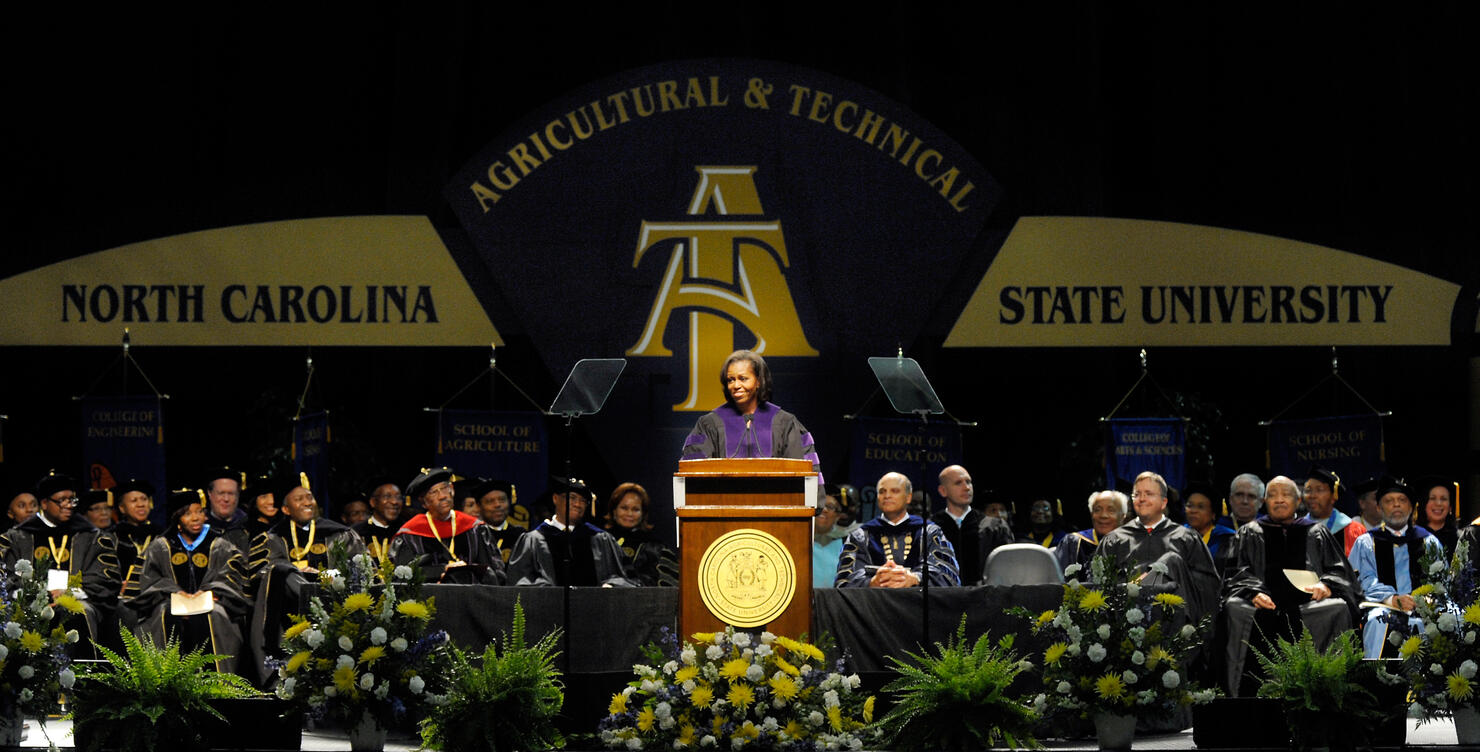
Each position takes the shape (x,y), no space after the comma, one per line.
(1107,510)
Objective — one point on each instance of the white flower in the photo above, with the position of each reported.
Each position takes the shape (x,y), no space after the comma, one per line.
(26,672)
(1137,634)
(378,636)
(1159,568)
(72,637)
(707,741)
(755,673)
(1470,637)
(1132,589)
(688,686)
(767,638)
(1061,620)
(742,639)
(330,691)
(23,568)
(285,690)
(1103,631)
(1188,630)
(1436,669)
(1436,567)
(830,698)
(313,638)
(719,638)
(1073,649)
(814,718)
(854,681)
(1040,703)
(365,561)
(1171,680)
(367,680)
(663,710)
(4,652)
(1073,633)
(1448,622)
(1129,677)
(26,695)
(1096,652)
(713,652)
(1138,658)
(336,582)
(1134,616)
(770,724)
(382,691)
(1072,570)
(402,573)
(399,644)
(687,655)
(344,662)
(1395,638)
(345,643)
(649,686)
(66,678)
(634,743)
(47,613)
(1467,669)
(416,684)
(762,651)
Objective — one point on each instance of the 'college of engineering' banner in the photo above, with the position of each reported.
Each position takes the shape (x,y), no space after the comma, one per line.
(123,438)
(507,445)
(1135,445)
(311,437)
(1350,446)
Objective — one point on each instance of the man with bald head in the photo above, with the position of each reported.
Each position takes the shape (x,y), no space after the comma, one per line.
(973,534)
(888,551)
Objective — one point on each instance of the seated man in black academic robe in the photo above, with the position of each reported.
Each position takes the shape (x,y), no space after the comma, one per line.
(1262,603)
(191,560)
(449,546)
(301,541)
(59,540)
(888,551)
(496,500)
(973,535)
(567,550)
(386,503)
(1163,551)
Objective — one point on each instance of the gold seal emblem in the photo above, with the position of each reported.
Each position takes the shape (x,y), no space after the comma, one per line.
(42,554)
(200,560)
(179,558)
(747,578)
(318,548)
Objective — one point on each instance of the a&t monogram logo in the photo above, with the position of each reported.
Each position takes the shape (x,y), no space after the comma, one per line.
(723,274)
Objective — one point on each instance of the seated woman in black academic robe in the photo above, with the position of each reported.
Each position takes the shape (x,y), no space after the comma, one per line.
(1107,511)
(262,500)
(644,557)
(191,584)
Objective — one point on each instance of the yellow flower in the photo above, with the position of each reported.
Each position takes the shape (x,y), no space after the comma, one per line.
(359,602)
(835,718)
(747,730)
(323,663)
(1046,617)
(734,668)
(296,629)
(1110,687)
(1410,646)
(706,638)
(372,654)
(686,735)
(1093,600)
(645,719)
(741,695)
(618,704)
(1422,590)
(1169,600)
(69,603)
(1459,687)
(811,651)
(788,643)
(1054,652)
(783,687)
(686,673)
(1472,614)
(297,661)
(414,610)
(345,679)
(701,697)
(31,642)
(784,666)
(718,724)
(868,710)
(1156,656)
(794,730)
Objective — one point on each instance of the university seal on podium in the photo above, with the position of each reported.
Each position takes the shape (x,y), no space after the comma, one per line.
(747,578)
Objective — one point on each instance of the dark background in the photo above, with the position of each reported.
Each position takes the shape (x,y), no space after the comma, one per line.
(1331,124)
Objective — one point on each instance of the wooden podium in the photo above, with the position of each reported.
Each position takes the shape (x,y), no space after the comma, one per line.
(759,513)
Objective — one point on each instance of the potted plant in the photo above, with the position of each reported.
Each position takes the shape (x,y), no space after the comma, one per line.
(34,664)
(736,690)
(150,697)
(506,701)
(959,698)
(1326,694)
(1441,663)
(1114,653)
(363,658)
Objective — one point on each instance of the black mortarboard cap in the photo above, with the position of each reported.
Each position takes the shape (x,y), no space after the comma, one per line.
(132,484)
(430,476)
(1391,484)
(94,497)
(1328,477)
(54,482)
(181,498)
(570,485)
(223,471)
(488,485)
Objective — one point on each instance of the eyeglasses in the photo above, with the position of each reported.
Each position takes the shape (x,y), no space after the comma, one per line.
(388,497)
(65,501)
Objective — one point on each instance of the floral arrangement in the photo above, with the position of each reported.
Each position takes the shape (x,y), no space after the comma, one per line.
(35,667)
(1440,664)
(1113,647)
(734,690)
(1326,694)
(359,652)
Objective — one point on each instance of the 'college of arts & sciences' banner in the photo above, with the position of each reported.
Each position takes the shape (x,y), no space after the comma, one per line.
(1135,445)
(507,445)
(123,438)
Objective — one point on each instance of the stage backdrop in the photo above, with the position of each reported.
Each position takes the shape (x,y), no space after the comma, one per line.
(311,439)
(675,213)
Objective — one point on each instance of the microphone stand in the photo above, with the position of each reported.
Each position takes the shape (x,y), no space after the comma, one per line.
(924,586)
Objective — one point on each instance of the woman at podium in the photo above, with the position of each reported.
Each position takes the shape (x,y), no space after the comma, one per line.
(749,424)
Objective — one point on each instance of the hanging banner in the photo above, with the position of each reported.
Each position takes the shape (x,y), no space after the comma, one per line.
(507,445)
(122,438)
(1349,445)
(311,436)
(1135,445)
(915,448)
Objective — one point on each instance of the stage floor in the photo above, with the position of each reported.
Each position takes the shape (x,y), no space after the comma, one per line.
(1435,734)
